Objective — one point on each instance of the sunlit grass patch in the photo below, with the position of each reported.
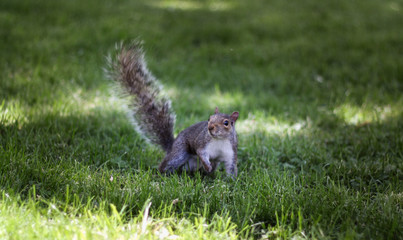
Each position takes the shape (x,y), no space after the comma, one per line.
(191,5)
(71,101)
(367,114)
(47,220)
(273,126)
(11,112)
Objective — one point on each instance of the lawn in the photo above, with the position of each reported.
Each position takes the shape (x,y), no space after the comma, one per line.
(318,85)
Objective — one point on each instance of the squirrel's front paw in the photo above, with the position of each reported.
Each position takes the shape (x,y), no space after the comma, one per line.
(208,167)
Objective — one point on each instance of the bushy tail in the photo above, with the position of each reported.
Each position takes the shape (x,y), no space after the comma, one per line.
(151,111)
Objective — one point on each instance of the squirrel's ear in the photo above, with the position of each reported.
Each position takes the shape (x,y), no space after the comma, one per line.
(216,110)
(234,116)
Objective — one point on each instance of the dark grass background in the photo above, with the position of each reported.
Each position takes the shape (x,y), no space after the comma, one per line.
(318,85)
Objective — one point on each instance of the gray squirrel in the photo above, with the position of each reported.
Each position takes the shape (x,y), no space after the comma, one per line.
(208,142)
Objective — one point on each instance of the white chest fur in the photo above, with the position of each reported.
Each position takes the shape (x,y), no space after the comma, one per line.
(220,150)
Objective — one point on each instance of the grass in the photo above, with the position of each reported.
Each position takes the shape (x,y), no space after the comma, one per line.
(317,83)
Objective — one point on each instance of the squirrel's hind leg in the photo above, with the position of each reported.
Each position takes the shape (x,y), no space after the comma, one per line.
(174,161)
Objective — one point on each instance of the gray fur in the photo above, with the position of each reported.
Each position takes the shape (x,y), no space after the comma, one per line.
(204,144)
(151,112)
(193,143)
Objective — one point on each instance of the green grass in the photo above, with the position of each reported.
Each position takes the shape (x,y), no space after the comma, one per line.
(318,85)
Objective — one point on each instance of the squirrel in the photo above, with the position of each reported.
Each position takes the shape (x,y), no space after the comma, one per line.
(205,144)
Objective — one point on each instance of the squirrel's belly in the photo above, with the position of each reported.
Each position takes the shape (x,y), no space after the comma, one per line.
(220,149)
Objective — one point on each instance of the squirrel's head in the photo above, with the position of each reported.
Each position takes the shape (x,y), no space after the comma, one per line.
(221,125)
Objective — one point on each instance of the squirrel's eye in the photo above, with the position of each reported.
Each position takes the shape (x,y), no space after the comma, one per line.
(226,122)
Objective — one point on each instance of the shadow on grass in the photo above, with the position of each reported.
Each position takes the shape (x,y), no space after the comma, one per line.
(304,52)
(358,156)
(285,63)
(50,150)
(98,155)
